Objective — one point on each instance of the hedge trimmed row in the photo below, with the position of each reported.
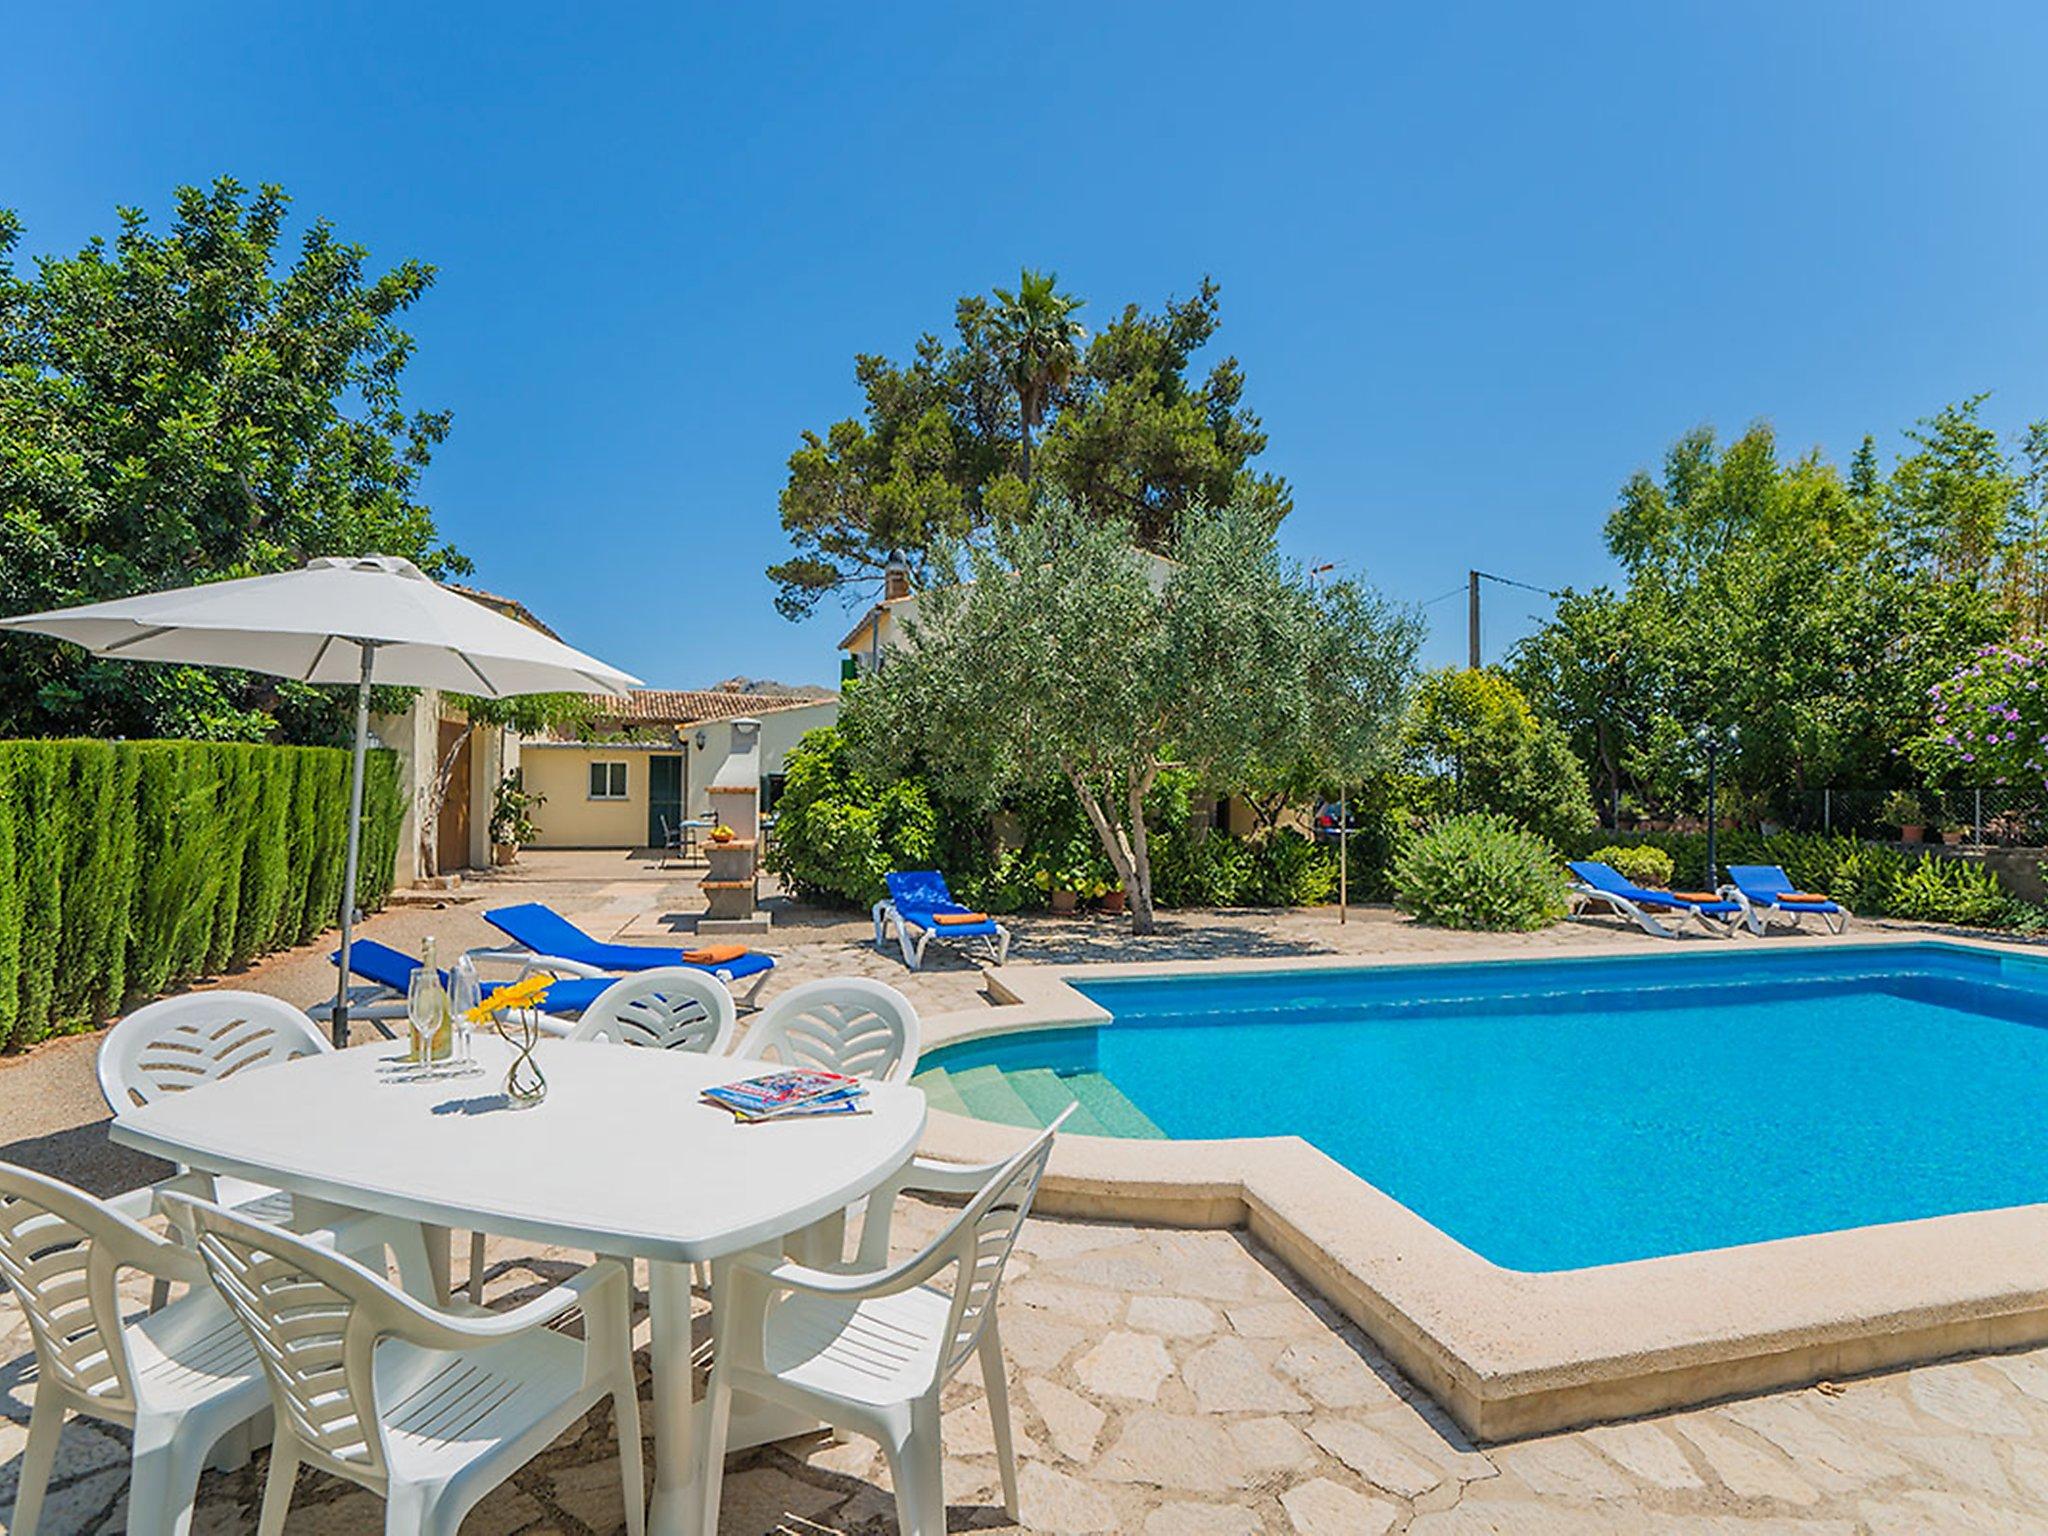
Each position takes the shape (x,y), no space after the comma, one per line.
(129,867)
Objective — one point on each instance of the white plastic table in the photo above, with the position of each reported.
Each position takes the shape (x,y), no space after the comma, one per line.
(620,1159)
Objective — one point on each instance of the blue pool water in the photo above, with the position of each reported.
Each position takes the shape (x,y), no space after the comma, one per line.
(1557,1114)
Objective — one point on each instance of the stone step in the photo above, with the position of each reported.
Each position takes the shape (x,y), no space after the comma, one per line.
(989,1096)
(1047,1093)
(939,1091)
(1116,1114)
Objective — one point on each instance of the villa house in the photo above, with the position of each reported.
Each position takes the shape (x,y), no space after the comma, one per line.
(651,756)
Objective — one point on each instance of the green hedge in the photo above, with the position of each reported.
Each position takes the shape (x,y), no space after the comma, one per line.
(128,867)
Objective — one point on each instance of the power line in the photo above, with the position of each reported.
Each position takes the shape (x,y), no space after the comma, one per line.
(1509,581)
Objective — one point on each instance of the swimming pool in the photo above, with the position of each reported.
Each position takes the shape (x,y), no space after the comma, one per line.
(1559,1114)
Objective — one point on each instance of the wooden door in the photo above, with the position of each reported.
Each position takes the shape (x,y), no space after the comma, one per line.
(451,832)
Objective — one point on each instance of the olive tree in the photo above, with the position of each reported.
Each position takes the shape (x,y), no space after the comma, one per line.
(1073,654)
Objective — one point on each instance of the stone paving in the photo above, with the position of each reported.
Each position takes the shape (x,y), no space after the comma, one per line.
(1184,1384)
(1165,1383)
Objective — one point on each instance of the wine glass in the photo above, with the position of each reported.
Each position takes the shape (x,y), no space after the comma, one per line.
(423,1013)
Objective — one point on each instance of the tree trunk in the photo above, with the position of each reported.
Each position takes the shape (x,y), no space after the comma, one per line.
(1027,453)
(1132,869)
(1141,853)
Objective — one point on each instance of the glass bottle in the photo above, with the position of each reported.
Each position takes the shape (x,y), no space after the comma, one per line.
(426,1008)
(443,1043)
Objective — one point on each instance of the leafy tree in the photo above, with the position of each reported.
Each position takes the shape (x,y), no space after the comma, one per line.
(187,403)
(839,831)
(1074,654)
(1476,744)
(932,463)
(1807,614)
(1035,333)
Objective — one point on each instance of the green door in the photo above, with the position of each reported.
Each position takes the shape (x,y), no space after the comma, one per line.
(664,795)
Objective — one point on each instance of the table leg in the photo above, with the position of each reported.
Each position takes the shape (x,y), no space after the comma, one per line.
(678,1507)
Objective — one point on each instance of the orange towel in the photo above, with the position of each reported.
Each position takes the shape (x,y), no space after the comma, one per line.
(714,954)
(1801,896)
(949,919)
(1694,896)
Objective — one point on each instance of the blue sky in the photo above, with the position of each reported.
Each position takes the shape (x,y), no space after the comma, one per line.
(1479,262)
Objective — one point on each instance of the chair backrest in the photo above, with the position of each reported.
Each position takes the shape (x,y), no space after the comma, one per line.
(843,1024)
(981,1238)
(670,1008)
(1602,877)
(920,890)
(199,1038)
(315,1317)
(1761,879)
(61,1252)
(541,929)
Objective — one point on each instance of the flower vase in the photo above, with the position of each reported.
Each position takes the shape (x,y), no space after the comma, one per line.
(525,1085)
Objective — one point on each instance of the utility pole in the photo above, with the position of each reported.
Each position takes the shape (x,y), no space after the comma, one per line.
(1472,618)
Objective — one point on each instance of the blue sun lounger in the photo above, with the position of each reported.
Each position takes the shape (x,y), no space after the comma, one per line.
(917,899)
(1593,881)
(389,972)
(1766,888)
(544,937)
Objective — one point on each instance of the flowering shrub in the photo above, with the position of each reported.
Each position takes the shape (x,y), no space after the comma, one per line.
(1991,719)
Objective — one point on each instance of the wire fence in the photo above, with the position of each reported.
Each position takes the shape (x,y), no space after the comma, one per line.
(1993,816)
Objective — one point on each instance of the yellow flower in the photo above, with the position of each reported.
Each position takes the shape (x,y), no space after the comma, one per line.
(520,994)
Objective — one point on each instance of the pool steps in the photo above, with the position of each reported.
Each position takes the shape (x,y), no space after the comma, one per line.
(1033,1097)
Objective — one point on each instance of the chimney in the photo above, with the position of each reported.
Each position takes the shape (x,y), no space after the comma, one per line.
(895,581)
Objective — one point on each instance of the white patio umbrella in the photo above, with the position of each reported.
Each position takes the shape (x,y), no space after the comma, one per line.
(339,620)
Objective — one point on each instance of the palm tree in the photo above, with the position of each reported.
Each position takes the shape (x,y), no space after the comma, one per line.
(1036,334)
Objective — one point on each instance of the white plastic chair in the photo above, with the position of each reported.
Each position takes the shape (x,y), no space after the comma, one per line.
(841,1024)
(185,1042)
(869,1349)
(670,1009)
(430,1409)
(183,1378)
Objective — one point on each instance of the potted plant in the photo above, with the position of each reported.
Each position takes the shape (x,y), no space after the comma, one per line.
(1068,876)
(1902,810)
(511,818)
(1113,898)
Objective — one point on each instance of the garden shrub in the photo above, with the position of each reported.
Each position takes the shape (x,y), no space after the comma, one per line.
(127,867)
(1482,871)
(1937,890)
(1637,863)
(1289,870)
(838,831)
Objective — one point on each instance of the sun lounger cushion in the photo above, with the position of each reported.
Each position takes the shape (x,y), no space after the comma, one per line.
(546,932)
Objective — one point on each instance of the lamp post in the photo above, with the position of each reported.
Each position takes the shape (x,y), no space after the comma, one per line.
(1710,741)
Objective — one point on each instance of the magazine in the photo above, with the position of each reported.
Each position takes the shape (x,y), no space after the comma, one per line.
(850,1101)
(778,1091)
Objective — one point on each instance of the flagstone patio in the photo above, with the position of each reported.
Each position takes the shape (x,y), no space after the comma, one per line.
(1183,1384)
(1164,1382)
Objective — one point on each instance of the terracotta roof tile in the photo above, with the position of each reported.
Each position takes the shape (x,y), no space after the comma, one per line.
(688,706)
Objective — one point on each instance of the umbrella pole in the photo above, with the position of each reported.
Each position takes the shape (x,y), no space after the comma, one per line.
(355,838)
